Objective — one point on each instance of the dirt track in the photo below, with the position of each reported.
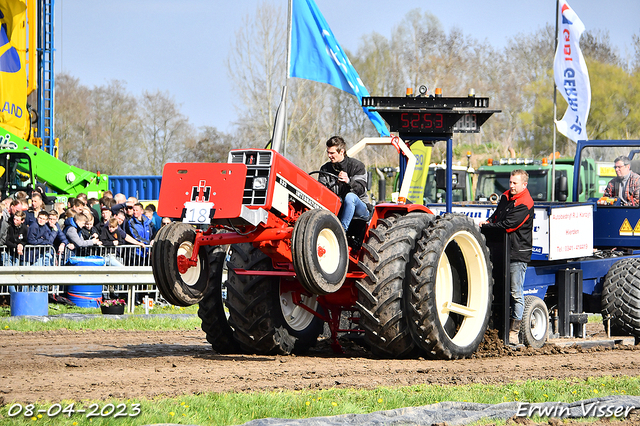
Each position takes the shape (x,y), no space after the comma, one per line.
(51,366)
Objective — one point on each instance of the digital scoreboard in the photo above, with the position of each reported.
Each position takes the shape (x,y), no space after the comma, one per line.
(423,116)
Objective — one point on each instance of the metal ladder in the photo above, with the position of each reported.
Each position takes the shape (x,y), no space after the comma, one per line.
(46,49)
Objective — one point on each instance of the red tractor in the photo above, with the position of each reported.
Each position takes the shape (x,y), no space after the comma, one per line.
(413,283)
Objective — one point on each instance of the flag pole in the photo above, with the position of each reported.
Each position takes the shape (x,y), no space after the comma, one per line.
(555,106)
(286,75)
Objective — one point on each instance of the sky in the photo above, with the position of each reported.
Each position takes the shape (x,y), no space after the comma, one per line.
(181,46)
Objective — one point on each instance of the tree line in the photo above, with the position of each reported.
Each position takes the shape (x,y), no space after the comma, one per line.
(107,128)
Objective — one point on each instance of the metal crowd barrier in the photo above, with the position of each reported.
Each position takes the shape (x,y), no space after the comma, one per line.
(120,269)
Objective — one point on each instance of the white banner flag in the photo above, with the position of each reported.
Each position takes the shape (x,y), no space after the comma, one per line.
(571,75)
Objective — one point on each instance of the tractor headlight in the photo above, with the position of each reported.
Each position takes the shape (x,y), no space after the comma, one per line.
(259,183)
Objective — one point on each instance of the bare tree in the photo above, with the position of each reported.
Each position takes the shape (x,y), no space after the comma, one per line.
(114,130)
(256,66)
(209,146)
(72,117)
(164,131)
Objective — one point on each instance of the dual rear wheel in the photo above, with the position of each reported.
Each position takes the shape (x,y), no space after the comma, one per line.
(428,288)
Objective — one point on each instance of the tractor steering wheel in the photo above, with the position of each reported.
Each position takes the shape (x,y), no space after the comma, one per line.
(321,172)
(331,185)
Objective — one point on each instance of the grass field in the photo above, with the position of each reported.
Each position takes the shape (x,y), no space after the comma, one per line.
(133,321)
(238,408)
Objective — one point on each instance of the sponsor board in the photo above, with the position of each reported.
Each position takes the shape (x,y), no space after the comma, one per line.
(559,231)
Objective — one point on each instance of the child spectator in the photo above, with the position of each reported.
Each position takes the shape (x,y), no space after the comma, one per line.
(106,215)
(60,241)
(111,234)
(93,231)
(40,234)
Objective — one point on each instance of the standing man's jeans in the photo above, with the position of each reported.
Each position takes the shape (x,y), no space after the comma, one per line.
(517,270)
(352,207)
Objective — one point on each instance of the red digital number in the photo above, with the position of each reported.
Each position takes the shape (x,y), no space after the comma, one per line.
(415,123)
(439,121)
(404,121)
(427,123)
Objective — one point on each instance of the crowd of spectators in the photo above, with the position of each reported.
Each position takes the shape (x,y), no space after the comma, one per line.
(35,230)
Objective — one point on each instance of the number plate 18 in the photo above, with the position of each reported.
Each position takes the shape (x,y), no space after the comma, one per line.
(198,213)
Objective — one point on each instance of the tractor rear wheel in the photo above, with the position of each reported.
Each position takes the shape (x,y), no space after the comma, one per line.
(319,251)
(211,308)
(263,320)
(535,322)
(450,291)
(180,289)
(621,297)
(386,257)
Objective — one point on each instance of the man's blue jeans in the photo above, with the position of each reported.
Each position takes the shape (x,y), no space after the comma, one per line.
(517,270)
(352,207)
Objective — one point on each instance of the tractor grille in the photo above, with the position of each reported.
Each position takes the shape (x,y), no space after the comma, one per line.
(258,165)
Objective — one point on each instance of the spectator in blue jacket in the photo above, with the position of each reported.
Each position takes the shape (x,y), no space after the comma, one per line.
(150,212)
(60,241)
(40,234)
(141,229)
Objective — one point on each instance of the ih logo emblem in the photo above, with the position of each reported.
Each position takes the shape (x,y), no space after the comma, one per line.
(201,193)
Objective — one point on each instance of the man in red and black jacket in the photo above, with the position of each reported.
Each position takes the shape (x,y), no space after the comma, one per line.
(514,215)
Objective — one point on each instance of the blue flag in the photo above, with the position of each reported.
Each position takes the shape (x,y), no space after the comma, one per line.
(316,55)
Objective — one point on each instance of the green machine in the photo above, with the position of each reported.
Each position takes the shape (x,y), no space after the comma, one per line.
(22,165)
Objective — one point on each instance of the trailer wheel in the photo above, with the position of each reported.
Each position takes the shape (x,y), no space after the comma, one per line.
(386,257)
(263,320)
(621,297)
(211,308)
(319,250)
(180,289)
(450,292)
(535,322)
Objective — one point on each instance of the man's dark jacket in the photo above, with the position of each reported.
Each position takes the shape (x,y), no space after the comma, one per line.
(514,215)
(357,178)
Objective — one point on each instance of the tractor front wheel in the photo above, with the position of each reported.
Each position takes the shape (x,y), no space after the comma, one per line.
(319,251)
(180,289)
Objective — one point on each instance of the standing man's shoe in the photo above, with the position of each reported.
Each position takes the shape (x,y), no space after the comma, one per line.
(514,332)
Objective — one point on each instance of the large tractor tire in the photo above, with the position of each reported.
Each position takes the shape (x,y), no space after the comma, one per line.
(450,291)
(180,289)
(319,251)
(535,322)
(264,321)
(211,308)
(386,261)
(621,298)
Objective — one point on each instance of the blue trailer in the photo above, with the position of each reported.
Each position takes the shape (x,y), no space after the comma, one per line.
(141,187)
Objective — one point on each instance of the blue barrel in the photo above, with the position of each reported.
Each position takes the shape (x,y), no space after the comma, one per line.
(85,296)
(29,303)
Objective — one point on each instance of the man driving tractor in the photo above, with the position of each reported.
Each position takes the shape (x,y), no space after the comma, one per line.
(347,178)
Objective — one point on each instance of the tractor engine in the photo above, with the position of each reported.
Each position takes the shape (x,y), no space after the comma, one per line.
(243,192)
